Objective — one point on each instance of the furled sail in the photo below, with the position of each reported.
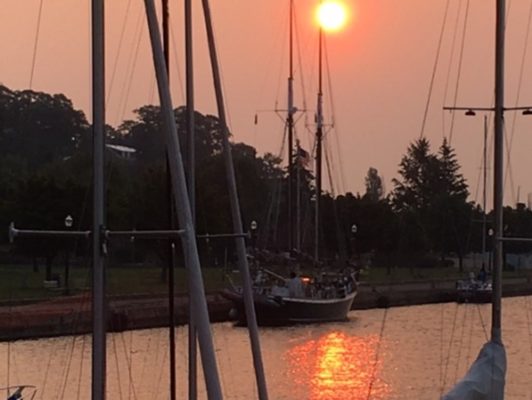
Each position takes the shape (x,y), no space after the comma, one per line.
(485,378)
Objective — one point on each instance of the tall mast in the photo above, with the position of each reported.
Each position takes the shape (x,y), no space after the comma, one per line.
(182,206)
(235,213)
(290,124)
(171,223)
(319,137)
(484,179)
(98,245)
(191,184)
(498,171)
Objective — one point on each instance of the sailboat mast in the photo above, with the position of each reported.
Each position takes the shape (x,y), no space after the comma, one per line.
(171,223)
(484,179)
(98,245)
(498,172)
(290,124)
(183,209)
(236,215)
(319,137)
(191,185)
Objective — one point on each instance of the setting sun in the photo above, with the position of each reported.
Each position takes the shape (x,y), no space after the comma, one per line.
(331,15)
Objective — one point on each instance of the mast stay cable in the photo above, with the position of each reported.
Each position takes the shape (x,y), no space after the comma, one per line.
(459,72)
(35,43)
(434,69)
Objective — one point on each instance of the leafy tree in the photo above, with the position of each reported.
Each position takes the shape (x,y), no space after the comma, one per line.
(38,127)
(374,185)
(146,135)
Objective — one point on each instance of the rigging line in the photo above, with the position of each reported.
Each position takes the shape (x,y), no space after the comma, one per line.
(269,61)
(434,69)
(483,164)
(460,343)
(84,337)
(310,134)
(35,43)
(333,119)
(377,353)
(10,313)
(117,364)
(482,322)
(442,320)
(68,364)
(453,329)
(137,36)
(129,361)
(529,322)
(459,72)
(80,374)
(176,63)
(157,382)
(46,371)
(280,66)
(129,356)
(451,60)
(75,322)
(144,360)
(518,95)
(117,54)
(131,388)
(223,376)
(509,169)
(329,170)
(469,343)
(226,103)
(151,91)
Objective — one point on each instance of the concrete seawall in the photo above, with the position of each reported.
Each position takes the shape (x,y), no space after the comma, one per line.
(72,315)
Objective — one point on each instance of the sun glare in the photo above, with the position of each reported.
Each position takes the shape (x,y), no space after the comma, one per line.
(331,15)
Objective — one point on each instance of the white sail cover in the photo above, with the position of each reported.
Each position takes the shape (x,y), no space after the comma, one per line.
(485,378)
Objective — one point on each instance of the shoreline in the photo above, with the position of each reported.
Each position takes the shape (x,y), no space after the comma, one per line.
(72,315)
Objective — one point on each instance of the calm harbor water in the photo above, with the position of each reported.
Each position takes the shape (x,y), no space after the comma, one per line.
(401,353)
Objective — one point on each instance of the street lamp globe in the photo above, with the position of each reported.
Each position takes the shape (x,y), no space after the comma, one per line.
(354,229)
(254,225)
(69,221)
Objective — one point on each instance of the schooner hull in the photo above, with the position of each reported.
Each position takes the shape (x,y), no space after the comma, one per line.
(276,310)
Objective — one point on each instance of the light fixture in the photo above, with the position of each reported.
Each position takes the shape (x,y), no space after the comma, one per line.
(254,225)
(69,221)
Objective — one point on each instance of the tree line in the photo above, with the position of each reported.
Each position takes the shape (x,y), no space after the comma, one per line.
(45,175)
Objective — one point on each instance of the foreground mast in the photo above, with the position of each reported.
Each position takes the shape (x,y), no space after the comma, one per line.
(486,377)
(498,188)
(98,227)
(319,138)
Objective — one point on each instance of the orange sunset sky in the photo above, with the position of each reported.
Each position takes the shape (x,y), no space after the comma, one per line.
(380,68)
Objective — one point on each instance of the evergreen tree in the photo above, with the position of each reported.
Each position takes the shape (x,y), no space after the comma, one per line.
(431,199)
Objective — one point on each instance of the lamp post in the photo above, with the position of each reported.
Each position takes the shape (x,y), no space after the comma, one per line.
(69,221)
(253,226)
(354,229)
(490,261)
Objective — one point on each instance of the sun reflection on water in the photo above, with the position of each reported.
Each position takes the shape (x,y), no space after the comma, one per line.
(336,366)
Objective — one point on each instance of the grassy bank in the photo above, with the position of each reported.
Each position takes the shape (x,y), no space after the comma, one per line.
(19,282)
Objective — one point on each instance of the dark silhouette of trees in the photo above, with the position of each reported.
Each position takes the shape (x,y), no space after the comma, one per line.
(431,201)
(45,174)
(374,185)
